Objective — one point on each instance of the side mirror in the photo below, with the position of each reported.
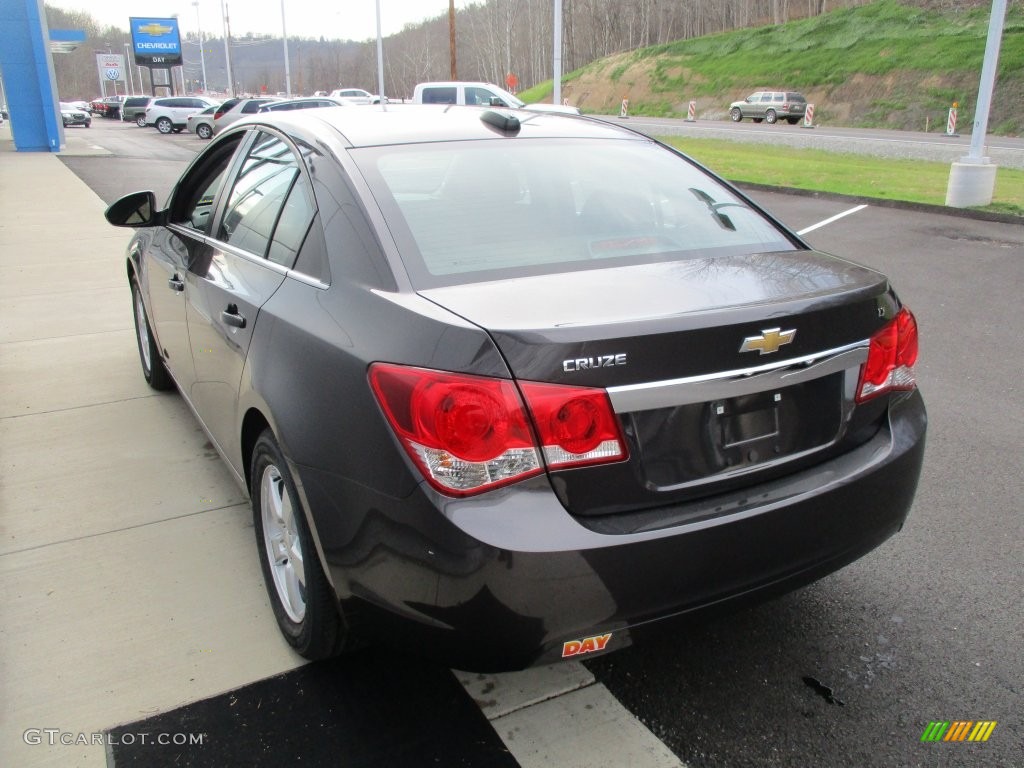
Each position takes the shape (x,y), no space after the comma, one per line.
(135,210)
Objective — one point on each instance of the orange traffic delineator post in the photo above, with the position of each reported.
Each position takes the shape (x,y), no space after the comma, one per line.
(809,116)
(625,108)
(951,121)
(691,112)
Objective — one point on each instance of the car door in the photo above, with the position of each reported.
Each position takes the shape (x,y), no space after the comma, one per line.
(245,267)
(173,252)
(750,105)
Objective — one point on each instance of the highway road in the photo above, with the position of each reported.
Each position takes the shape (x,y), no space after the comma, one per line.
(1007,152)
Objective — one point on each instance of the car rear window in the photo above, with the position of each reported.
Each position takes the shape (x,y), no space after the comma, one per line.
(469,211)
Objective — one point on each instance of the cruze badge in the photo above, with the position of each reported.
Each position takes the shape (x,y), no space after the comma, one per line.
(769,341)
(598,361)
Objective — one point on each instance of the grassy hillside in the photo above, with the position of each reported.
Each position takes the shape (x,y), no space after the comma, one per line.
(884,64)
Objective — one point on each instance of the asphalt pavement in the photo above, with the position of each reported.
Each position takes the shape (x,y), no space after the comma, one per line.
(132,602)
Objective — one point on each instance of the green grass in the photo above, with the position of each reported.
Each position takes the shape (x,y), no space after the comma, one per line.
(879,38)
(904,45)
(846,174)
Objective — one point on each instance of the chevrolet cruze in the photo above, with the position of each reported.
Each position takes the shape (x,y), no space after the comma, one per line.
(503,386)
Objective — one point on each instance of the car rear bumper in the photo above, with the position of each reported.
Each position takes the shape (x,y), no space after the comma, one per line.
(509,579)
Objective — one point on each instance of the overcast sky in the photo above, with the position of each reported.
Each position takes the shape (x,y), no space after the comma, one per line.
(344,19)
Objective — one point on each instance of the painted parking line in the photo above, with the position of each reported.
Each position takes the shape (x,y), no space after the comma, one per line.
(560,716)
(831,219)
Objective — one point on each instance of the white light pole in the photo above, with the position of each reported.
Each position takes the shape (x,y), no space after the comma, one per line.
(556,97)
(128,66)
(227,52)
(380,60)
(972,180)
(202,56)
(287,68)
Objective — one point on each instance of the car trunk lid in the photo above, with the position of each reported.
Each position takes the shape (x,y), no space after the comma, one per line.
(721,371)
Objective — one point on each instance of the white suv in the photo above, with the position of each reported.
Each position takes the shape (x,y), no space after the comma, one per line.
(171,113)
(355,95)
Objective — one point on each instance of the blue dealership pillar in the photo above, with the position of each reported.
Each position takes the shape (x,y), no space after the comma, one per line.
(29,83)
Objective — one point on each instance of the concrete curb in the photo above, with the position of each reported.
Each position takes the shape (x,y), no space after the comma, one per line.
(878,202)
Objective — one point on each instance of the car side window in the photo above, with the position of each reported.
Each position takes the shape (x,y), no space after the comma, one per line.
(439,95)
(299,210)
(196,195)
(481,96)
(766,97)
(258,197)
(778,97)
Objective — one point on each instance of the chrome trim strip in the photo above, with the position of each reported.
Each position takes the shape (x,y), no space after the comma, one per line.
(744,381)
(227,248)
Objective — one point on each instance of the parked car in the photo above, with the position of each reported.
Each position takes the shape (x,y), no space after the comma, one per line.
(479,94)
(242,108)
(501,390)
(201,123)
(134,109)
(112,107)
(355,95)
(171,113)
(70,115)
(305,102)
(770,106)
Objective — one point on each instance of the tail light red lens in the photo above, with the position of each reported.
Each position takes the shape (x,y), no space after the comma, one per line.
(891,357)
(576,425)
(469,434)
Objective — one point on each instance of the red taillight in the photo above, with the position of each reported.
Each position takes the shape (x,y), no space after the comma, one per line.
(891,358)
(576,425)
(470,434)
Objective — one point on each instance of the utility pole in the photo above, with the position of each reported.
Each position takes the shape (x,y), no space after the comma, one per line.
(451,39)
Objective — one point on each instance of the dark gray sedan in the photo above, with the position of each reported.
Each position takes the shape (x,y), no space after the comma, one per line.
(504,387)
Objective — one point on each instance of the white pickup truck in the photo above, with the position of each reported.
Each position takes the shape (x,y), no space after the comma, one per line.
(479,94)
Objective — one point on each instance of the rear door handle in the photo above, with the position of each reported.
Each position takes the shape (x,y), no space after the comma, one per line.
(176,284)
(231,317)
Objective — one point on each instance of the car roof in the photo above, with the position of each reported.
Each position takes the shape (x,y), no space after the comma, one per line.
(374,125)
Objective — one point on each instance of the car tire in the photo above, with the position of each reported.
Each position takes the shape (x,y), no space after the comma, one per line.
(735,114)
(771,117)
(178,128)
(757,119)
(792,120)
(88,123)
(203,131)
(164,125)
(153,369)
(304,604)
(141,121)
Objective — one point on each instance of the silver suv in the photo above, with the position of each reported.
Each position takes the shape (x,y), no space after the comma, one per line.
(770,106)
(171,113)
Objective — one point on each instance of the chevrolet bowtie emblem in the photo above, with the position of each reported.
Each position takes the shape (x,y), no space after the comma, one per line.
(769,341)
(154,30)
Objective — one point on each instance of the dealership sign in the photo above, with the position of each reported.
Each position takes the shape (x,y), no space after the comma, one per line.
(110,66)
(156,42)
